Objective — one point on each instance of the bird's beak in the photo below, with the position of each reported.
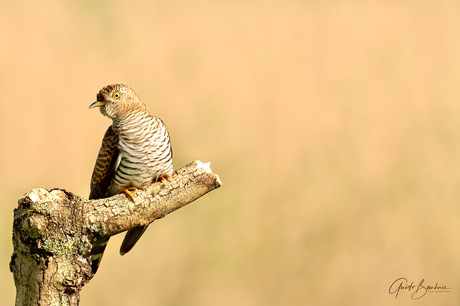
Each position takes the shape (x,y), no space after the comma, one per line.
(97,104)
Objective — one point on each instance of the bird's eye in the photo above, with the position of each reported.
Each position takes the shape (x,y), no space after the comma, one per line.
(116,95)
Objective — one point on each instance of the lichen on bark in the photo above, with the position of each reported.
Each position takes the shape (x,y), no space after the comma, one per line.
(53,230)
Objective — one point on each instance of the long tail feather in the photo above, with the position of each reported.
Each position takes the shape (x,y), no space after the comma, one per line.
(132,236)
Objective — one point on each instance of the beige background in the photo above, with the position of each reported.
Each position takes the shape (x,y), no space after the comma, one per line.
(335,127)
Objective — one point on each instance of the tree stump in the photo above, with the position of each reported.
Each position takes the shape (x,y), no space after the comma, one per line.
(53,231)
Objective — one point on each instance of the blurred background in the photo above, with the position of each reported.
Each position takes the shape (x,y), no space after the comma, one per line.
(334,126)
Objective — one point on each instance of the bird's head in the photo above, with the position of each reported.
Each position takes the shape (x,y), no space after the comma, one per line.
(116,100)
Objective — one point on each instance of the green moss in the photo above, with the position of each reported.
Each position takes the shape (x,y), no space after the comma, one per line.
(43,207)
(120,203)
(98,229)
(85,245)
(58,247)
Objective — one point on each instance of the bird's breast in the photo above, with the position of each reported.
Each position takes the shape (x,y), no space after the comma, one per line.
(145,154)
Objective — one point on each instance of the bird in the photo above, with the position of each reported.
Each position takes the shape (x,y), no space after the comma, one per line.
(135,152)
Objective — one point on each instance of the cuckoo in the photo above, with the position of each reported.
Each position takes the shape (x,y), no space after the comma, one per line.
(135,152)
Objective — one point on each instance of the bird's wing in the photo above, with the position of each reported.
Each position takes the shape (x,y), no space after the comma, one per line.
(105,167)
(102,177)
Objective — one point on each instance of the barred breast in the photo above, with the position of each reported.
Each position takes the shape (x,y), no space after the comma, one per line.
(145,151)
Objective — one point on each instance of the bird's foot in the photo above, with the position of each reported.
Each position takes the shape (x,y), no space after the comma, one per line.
(164,177)
(127,191)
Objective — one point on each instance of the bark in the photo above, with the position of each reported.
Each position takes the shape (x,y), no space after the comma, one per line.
(53,230)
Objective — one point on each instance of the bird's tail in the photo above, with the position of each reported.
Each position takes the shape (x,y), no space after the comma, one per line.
(131,237)
(97,251)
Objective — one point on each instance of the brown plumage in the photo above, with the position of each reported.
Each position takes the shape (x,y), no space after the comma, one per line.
(105,165)
(135,152)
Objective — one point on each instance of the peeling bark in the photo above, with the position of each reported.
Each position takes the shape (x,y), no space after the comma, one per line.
(53,230)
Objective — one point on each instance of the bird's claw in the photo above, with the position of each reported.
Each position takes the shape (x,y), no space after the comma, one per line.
(164,177)
(127,191)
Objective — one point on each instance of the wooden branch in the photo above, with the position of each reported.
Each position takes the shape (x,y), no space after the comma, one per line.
(53,230)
